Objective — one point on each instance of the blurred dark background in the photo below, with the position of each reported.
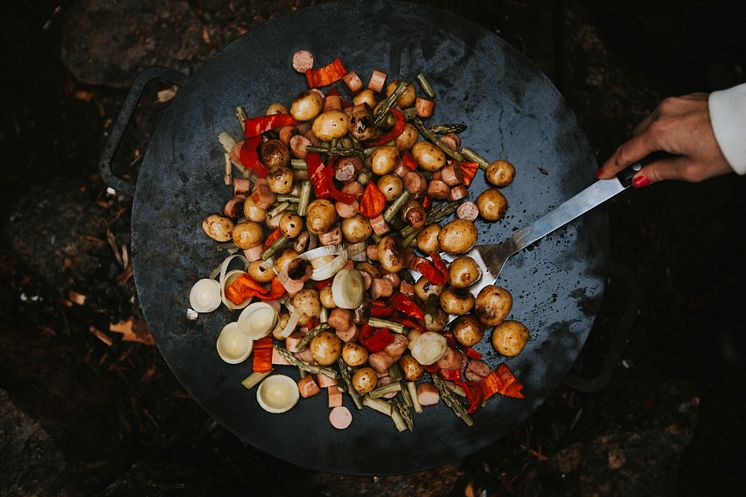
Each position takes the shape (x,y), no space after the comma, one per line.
(87,408)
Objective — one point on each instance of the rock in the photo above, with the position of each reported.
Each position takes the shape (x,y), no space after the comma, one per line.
(59,232)
(31,461)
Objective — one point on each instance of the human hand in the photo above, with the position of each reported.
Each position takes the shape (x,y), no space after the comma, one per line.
(680,126)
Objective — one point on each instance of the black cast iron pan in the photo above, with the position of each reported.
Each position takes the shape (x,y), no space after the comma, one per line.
(513,112)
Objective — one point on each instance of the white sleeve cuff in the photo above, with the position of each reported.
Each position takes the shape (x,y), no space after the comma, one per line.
(728,118)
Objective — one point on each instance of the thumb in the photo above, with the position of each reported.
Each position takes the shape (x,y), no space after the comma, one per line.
(673,168)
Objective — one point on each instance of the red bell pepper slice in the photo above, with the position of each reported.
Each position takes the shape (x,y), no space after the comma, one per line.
(276,290)
(409,161)
(392,134)
(375,339)
(435,272)
(408,323)
(469,170)
(373,201)
(322,180)
(450,374)
(474,394)
(450,340)
(381,312)
(502,381)
(262,355)
(249,157)
(402,303)
(324,76)
(272,238)
(255,126)
(427,202)
(472,354)
(318,285)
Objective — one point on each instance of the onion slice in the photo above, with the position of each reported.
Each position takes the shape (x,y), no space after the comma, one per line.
(222,280)
(327,270)
(356,252)
(348,289)
(205,295)
(292,323)
(257,320)
(277,393)
(428,348)
(233,346)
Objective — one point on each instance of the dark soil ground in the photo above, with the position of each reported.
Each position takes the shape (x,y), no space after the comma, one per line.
(84,412)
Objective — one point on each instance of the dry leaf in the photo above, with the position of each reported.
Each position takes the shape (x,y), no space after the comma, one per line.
(206,35)
(133,330)
(167,94)
(76,297)
(101,335)
(84,95)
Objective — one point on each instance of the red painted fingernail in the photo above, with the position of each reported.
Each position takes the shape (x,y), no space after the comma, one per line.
(599,172)
(640,181)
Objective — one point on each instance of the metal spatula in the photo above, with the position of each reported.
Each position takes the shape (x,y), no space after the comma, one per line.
(492,258)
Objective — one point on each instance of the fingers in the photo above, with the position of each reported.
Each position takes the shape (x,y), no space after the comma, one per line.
(628,153)
(675,168)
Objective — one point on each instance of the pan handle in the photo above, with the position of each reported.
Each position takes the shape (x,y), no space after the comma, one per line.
(618,340)
(116,132)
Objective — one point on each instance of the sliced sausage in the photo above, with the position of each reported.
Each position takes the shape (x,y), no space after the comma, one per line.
(353,81)
(415,182)
(457,193)
(234,207)
(346,211)
(377,80)
(312,138)
(340,319)
(331,237)
(401,169)
(340,417)
(308,387)
(452,175)
(438,190)
(397,348)
(324,381)
(476,370)
(381,287)
(406,288)
(305,355)
(347,335)
(453,359)
(361,313)
(416,217)
(379,225)
(452,141)
(263,197)
(424,107)
(386,380)
(302,61)
(372,252)
(395,279)
(292,341)
(286,133)
(344,170)
(240,185)
(278,359)
(335,396)
(332,102)
(380,361)
(427,394)
(367,278)
(468,210)
(354,188)
(254,253)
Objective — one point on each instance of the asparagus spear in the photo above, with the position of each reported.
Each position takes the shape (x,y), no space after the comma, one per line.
(447,396)
(381,391)
(311,368)
(403,410)
(345,374)
(388,103)
(435,139)
(442,129)
(312,333)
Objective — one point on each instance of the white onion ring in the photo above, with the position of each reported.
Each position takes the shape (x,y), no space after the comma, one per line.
(291,324)
(327,270)
(357,252)
(205,295)
(223,268)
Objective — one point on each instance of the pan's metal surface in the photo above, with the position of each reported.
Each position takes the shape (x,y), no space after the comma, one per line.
(513,112)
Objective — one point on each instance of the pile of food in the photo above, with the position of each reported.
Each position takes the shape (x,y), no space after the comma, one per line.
(335,226)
